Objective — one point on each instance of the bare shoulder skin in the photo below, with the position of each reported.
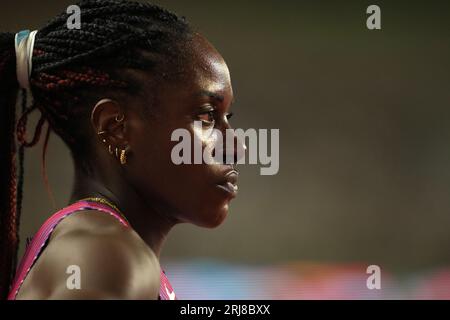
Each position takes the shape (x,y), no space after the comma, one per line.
(114,262)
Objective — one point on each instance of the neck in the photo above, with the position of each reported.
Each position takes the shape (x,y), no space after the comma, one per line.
(149,221)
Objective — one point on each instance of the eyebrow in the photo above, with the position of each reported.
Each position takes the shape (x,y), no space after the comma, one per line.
(215,96)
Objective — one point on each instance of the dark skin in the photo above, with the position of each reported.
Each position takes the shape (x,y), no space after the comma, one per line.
(153,193)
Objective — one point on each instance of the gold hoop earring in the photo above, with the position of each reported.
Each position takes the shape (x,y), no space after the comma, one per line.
(121,119)
(123,157)
(117,152)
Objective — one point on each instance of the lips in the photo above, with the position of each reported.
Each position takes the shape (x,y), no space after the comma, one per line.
(229,183)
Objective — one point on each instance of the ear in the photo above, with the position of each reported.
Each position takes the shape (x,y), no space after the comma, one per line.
(109,121)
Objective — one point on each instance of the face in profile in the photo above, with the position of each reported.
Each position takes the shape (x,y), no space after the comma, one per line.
(194,193)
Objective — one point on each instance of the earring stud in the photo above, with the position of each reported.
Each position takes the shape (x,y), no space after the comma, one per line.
(100,133)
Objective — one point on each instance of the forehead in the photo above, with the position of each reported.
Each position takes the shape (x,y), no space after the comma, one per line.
(207,68)
(201,75)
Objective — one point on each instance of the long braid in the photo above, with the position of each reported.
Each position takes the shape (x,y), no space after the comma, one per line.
(71,69)
(8,191)
(20,182)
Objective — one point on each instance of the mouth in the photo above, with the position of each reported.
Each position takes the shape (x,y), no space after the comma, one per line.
(229,183)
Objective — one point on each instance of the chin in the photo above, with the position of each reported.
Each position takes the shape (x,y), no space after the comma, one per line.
(213,219)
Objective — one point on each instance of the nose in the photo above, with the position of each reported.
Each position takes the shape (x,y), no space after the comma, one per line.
(240,148)
(234,147)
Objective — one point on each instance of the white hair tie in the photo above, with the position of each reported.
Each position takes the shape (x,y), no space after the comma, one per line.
(24,43)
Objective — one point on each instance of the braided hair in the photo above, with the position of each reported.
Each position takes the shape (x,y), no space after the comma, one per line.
(71,69)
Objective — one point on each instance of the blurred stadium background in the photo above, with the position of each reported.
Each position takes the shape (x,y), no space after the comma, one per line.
(365,155)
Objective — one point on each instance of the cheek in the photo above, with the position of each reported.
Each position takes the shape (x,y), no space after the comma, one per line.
(188,191)
(195,194)
(150,163)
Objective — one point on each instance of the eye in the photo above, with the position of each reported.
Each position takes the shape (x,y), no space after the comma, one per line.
(207,117)
(230,115)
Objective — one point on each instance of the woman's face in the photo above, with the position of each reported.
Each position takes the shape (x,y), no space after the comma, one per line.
(195,193)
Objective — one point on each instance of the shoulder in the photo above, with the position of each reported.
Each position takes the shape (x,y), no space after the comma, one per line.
(95,252)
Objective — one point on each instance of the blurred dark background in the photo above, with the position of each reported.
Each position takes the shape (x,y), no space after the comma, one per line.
(364,132)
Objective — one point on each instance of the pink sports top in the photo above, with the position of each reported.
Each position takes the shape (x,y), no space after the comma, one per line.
(37,245)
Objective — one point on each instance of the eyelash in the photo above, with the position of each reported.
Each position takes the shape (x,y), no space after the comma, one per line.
(212,114)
